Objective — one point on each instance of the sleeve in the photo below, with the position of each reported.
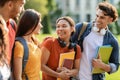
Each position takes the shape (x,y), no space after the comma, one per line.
(48,43)
(18,50)
(79,54)
(114,59)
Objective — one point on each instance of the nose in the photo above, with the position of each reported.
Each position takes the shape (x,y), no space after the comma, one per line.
(22,9)
(41,26)
(98,18)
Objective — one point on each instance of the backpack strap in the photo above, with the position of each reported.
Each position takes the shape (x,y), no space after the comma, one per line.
(84,25)
(26,53)
(13,25)
(75,49)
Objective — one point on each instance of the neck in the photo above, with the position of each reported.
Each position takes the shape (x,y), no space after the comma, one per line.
(28,38)
(67,41)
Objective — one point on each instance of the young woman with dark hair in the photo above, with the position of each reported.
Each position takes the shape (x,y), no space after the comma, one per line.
(29,25)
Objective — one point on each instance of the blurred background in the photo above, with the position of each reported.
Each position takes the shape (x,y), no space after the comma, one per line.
(79,10)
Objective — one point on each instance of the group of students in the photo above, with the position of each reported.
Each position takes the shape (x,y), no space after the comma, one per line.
(45,56)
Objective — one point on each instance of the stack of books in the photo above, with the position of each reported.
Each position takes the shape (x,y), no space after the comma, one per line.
(66,60)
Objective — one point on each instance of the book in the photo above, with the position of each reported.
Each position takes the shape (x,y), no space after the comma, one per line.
(68,63)
(68,55)
(104,52)
(66,58)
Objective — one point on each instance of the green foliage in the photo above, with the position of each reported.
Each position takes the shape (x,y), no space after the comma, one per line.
(47,25)
(47,19)
(46,8)
(51,5)
(39,5)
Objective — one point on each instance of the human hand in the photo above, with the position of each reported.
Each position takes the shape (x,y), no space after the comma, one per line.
(63,75)
(62,69)
(97,63)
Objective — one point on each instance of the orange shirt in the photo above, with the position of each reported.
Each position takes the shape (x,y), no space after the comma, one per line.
(55,50)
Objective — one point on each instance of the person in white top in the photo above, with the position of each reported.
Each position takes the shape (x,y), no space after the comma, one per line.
(4,67)
(98,34)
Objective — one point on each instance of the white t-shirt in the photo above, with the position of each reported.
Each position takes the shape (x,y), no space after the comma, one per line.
(5,72)
(90,44)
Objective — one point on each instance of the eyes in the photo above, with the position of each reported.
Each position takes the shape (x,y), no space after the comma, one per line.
(100,17)
(62,26)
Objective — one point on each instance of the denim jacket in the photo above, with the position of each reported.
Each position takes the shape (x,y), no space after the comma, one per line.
(108,39)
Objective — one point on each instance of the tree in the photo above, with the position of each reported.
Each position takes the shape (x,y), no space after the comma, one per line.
(39,5)
(47,18)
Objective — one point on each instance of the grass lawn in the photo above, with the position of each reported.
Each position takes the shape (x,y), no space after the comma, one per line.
(114,76)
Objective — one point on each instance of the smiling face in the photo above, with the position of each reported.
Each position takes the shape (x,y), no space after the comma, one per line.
(38,28)
(63,29)
(17,8)
(102,20)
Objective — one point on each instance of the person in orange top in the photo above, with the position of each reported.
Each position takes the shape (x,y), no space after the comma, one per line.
(29,25)
(53,47)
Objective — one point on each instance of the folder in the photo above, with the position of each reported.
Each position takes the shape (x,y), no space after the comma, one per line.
(105,53)
(63,56)
(66,58)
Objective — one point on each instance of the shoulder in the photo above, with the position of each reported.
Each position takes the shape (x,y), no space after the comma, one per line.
(110,36)
(49,40)
(18,49)
(78,47)
(18,44)
(13,24)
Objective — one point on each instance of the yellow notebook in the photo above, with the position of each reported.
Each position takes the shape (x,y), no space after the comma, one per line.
(104,52)
(63,56)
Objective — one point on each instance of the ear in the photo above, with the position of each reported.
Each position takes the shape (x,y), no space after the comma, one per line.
(110,20)
(10,5)
(72,29)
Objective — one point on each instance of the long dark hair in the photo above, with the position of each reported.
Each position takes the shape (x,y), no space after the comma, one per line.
(28,21)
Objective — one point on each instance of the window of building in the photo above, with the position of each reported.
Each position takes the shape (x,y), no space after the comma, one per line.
(88,17)
(77,2)
(67,3)
(77,18)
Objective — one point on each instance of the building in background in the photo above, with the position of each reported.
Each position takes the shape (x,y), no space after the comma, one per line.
(80,10)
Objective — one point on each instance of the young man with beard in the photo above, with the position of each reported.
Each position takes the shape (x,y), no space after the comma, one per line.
(9,10)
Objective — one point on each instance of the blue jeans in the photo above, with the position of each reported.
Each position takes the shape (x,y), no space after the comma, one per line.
(100,76)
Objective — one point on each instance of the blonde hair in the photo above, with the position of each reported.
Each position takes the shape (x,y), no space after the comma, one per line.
(3,39)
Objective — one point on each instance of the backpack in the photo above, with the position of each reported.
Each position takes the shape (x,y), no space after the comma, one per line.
(84,25)
(25,56)
(81,32)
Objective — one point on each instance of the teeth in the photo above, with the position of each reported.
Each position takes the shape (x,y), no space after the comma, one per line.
(97,23)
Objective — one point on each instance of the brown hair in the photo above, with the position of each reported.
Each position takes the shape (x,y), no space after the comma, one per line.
(3,2)
(109,9)
(28,21)
(69,20)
